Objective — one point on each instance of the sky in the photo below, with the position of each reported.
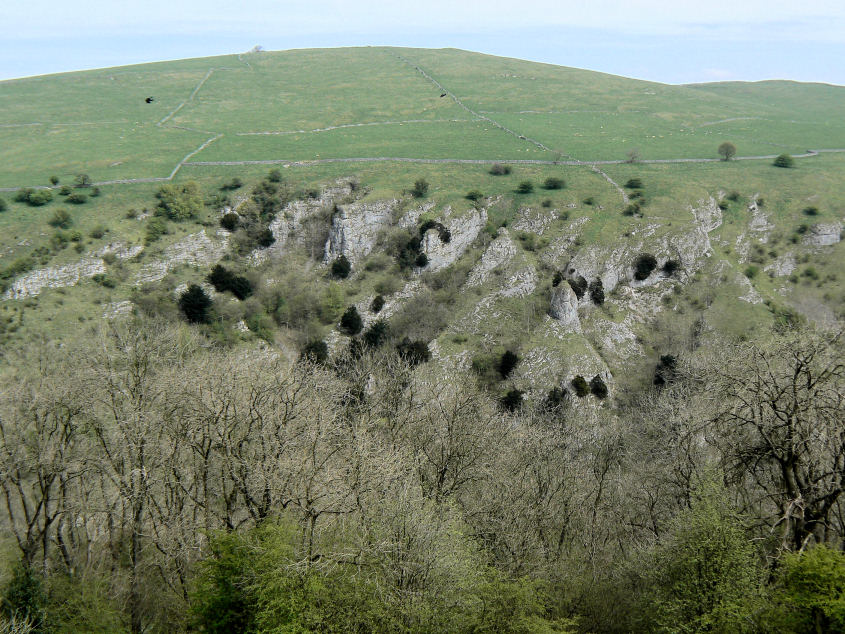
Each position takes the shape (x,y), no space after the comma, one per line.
(670,41)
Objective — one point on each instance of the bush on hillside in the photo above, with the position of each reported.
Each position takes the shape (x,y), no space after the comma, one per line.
(597,291)
(474,195)
(3,204)
(671,266)
(376,334)
(341,268)
(420,188)
(230,221)
(554,183)
(507,363)
(579,286)
(498,169)
(224,280)
(351,322)
(784,160)
(179,202)
(580,386)
(61,218)
(414,352)
(377,304)
(82,181)
(598,387)
(644,265)
(77,199)
(525,187)
(315,350)
(194,304)
(634,183)
(512,401)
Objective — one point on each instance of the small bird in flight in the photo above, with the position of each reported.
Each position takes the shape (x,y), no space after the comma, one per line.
(149,100)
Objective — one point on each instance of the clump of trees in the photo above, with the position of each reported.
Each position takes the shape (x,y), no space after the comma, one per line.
(179,202)
(33,197)
(222,279)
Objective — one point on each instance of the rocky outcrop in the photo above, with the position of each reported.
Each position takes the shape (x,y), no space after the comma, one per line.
(823,234)
(356,227)
(534,220)
(196,249)
(497,255)
(34,282)
(707,215)
(564,307)
(784,265)
(463,232)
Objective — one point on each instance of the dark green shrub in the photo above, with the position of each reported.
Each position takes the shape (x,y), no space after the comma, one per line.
(274,176)
(95,192)
(580,386)
(474,195)
(665,371)
(376,334)
(420,188)
(644,265)
(512,401)
(25,598)
(97,232)
(155,228)
(315,350)
(751,271)
(556,398)
(351,322)
(3,204)
(341,268)
(784,160)
(634,183)
(633,209)
(733,196)
(77,199)
(235,183)
(589,200)
(670,267)
(598,387)
(66,190)
(104,280)
(557,278)
(23,194)
(230,221)
(224,280)
(507,363)
(525,187)
(61,218)
(421,260)
(54,180)
(414,352)
(579,286)
(554,183)
(597,291)
(377,304)
(179,202)
(811,211)
(194,304)
(500,170)
(82,181)
(546,203)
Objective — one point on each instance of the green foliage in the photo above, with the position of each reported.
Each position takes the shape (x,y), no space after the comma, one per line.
(154,229)
(235,183)
(580,386)
(82,181)
(24,597)
(377,334)
(61,218)
(315,350)
(751,271)
(413,352)
(82,604)
(65,190)
(665,371)
(179,202)
(589,200)
(670,267)
(498,169)
(512,400)
(104,280)
(34,197)
(97,231)
(784,160)
(77,198)
(54,180)
(224,280)
(811,211)
(704,574)
(554,183)
(194,304)
(230,221)
(341,267)
(597,291)
(579,286)
(507,363)
(634,183)
(809,592)
(644,265)
(421,260)
(420,188)
(3,205)
(525,187)
(733,196)
(727,150)
(351,322)
(474,195)
(377,304)
(274,176)
(598,387)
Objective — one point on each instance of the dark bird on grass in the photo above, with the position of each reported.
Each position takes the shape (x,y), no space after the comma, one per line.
(149,100)
(443,95)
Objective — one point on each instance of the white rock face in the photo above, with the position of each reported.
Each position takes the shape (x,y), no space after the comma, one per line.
(823,234)
(750,293)
(498,254)
(463,230)
(707,215)
(34,282)
(564,307)
(534,220)
(355,228)
(196,249)
(759,221)
(117,309)
(784,265)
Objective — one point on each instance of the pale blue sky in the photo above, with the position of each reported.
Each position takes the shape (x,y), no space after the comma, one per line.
(673,42)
